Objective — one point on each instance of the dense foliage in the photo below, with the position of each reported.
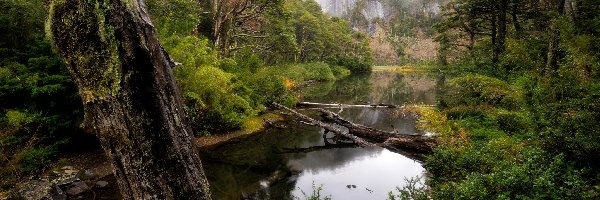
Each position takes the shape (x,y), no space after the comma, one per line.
(523,107)
(40,111)
(262,57)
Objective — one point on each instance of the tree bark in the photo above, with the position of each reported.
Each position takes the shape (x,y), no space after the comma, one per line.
(130,97)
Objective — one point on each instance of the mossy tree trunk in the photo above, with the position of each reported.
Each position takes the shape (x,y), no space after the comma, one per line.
(130,96)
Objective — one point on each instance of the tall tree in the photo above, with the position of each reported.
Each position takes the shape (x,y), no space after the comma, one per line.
(554,9)
(237,19)
(130,97)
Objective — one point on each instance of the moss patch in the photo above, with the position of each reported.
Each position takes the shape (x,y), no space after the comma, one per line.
(88,45)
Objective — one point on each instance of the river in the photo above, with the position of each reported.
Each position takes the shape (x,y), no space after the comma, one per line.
(291,163)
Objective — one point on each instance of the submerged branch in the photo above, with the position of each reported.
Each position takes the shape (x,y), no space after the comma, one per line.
(326,126)
(321,105)
(412,146)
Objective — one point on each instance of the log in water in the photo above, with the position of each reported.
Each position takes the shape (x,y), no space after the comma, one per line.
(413,146)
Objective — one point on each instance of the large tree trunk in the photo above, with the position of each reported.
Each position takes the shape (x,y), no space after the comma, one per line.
(130,97)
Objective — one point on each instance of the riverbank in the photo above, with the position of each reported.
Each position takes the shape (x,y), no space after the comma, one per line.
(410,68)
(496,141)
(251,127)
(288,138)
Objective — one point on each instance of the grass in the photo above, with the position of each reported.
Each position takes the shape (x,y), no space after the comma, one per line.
(404,68)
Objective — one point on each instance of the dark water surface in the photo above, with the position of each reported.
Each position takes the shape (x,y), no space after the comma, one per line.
(291,162)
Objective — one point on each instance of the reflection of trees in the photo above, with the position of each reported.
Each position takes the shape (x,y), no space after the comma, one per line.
(280,190)
(381,118)
(327,146)
(350,90)
(398,88)
(238,168)
(331,159)
(317,90)
(378,87)
(388,87)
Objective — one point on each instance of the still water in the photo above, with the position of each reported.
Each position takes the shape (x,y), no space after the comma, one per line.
(291,163)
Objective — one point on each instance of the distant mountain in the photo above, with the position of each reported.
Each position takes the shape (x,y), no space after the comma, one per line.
(361,13)
(401,30)
(341,8)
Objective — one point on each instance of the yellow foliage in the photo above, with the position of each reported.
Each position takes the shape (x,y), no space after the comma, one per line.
(289,84)
(402,69)
(435,121)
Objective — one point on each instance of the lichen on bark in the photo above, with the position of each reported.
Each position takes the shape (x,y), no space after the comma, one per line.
(90,49)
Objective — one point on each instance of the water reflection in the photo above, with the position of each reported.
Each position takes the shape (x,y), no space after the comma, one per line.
(379,87)
(282,163)
(370,176)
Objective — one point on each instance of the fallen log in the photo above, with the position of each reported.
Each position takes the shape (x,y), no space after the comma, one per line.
(399,141)
(413,146)
(329,127)
(321,105)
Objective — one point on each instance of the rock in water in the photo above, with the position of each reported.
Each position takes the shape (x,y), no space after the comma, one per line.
(78,188)
(101,184)
(40,190)
(89,174)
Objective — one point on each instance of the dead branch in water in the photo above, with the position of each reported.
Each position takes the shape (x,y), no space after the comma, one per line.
(326,126)
(321,105)
(413,146)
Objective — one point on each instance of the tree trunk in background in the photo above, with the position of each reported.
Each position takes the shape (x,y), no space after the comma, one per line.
(130,97)
(494,34)
(221,24)
(515,19)
(570,9)
(554,8)
(502,23)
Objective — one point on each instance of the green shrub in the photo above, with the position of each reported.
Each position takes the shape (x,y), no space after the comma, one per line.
(191,51)
(353,64)
(35,159)
(473,90)
(17,119)
(521,55)
(513,122)
(414,189)
(318,71)
(247,61)
(210,99)
(503,169)
(463,112)
(340,72)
